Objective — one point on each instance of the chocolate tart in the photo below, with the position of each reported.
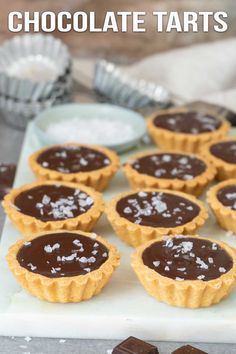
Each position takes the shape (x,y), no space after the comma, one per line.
(186,271)
(222,200)
(47,206)
(184,130)
(138,217)
(169,170)
(63,266)
(222,155)
(92,165)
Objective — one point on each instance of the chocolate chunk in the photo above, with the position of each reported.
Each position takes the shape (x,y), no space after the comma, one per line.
(227,196)
(73,159)
(4,191)
(225,151)
(7,176)
(157,209)
(170,166)
(188,122)
(64,254)
(53,202)
(187,258)
(188,349)
(134,345)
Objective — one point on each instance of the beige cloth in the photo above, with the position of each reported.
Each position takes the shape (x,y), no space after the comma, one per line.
(204,71)
(200,72)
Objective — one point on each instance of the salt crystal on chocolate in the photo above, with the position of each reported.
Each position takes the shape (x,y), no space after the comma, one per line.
(222,270)
(156,263)
(77,243)
(166,158)
(50,249)
(46,199)
(87,269)
(201,277)
(127,210)
(142,194)
(32,267)
(183,160)
(202,264)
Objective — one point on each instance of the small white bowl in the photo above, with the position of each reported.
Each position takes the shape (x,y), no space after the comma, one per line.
(87,112)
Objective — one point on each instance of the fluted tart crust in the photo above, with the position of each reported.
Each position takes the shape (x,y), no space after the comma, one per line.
(53,206)
(85,272)
(91,165)
(169,170)
(222,155)
(186,271)
(140,216)
(168,139)
(222,201)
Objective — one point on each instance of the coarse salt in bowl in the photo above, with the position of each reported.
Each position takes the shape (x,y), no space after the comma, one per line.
(101,124)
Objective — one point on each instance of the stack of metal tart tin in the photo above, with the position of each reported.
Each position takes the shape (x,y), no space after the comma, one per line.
(35,74)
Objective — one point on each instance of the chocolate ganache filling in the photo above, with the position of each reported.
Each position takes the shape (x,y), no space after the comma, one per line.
(170,166)
(227,196)
(187,258)
(225,151)
(62,255)
(157,209)
(188,122)
(53,202)
(73,159)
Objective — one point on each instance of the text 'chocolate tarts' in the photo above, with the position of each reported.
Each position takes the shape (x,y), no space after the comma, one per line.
(140,217)
(47,206)
(222,200)
(186,271)
(92,165)
(222,155)
(63,266)
(184,130)
(169,170)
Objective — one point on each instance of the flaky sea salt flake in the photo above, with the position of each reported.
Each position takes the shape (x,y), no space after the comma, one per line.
(156,263)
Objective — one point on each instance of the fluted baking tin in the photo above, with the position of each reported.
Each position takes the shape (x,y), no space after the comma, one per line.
(32,67)
(125,91)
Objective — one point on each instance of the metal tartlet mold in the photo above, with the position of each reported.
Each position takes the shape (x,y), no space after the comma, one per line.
(18,113)
(33,66)
(123,90)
